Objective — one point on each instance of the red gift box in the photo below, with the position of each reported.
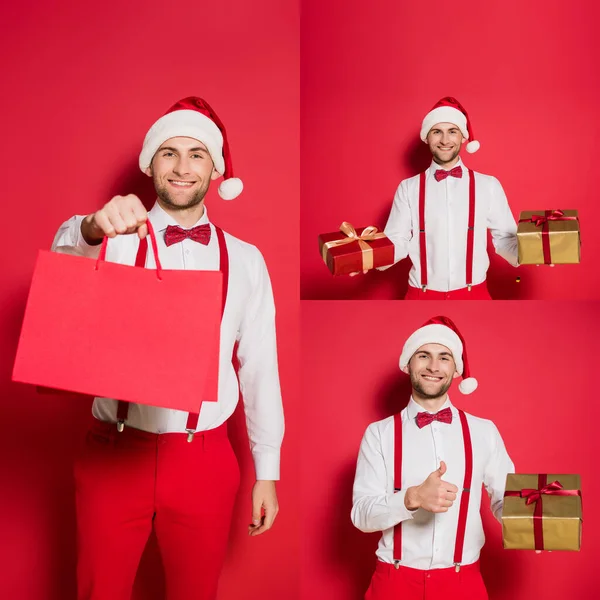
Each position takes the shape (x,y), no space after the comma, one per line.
(352,250)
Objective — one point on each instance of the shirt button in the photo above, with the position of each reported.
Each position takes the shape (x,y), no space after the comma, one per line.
(187,251)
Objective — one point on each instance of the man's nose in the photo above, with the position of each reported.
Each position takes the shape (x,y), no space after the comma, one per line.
(433,366)
(181,166)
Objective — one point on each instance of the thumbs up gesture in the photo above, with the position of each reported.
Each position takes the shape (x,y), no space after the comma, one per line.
(434,494)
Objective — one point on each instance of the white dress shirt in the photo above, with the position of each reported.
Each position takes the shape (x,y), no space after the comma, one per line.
(427,538)
(249,319)
(446,222)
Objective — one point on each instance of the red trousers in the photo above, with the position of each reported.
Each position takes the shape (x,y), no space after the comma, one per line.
(478,292)
(389,583)
(132,482)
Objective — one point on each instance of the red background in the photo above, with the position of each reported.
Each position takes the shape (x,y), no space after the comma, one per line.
(82,84)
(535,363)
(525,71)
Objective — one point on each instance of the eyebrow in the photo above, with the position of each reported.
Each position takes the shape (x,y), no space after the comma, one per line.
(429,353)
(198,149)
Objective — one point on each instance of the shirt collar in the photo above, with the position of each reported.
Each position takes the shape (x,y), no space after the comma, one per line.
(412,408)
(161,220)
(434,166)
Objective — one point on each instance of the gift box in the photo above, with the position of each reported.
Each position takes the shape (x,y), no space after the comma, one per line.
(352,250)
(549,237)
(542,512)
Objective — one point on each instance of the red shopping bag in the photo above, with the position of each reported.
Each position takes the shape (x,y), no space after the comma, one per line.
(115,331)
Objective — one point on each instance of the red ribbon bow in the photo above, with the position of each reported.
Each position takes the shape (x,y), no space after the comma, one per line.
(175,234)
(425,418)
(440,174)
(535,495)
(551,215)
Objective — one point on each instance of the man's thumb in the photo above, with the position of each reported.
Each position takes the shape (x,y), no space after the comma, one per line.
(442,468)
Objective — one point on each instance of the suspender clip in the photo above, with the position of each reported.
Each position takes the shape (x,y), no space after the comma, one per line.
(190,435)
(397,564)
(457,567)
(424,288)
(469,286)
(120,425)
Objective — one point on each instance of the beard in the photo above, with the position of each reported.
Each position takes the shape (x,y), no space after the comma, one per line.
(417,385)
(196,198)
(437,157)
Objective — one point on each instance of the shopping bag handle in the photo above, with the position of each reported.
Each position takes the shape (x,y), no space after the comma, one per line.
(102,255)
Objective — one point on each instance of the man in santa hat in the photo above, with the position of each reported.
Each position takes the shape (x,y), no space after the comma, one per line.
(419,477)
(440,218)
(147,468)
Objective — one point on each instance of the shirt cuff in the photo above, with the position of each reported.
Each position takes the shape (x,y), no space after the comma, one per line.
(80,242)
(398,508)
(266,466)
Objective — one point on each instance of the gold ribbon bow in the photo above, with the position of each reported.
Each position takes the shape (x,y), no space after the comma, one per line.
(369,234)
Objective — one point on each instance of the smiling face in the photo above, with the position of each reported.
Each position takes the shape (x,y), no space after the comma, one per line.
(431,369)
(182,170)
(445,141)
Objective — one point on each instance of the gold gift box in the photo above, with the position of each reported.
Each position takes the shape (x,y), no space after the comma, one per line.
(564,237)
(562,516)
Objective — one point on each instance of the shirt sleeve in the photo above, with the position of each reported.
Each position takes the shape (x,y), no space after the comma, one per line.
(494,477)
(258,374)
(399,226)
(68,239)
(373,508)
(502,225)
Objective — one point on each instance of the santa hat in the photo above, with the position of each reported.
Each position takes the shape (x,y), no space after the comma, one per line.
(441,330)
(450,110)
(193,117)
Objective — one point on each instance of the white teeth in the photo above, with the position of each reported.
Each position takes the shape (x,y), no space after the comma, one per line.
(431,378)
(183,183)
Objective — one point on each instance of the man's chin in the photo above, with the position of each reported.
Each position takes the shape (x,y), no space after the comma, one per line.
(180,203)
(443,159)
(431,392)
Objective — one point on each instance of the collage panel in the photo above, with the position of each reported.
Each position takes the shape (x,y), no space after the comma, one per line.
(532,413)
(495,80)
(102,96)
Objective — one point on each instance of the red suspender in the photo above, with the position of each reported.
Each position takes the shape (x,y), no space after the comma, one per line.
(397,485)
(471,229)
(422,238)
(464,499)
(470,232)
(466,493)
(140,261)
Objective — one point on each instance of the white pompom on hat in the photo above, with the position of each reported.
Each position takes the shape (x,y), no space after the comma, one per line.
(441,330)
(193,117)
(450,110)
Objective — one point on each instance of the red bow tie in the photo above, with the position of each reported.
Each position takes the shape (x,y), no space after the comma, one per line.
(440,174)
(175,234)
(425,418)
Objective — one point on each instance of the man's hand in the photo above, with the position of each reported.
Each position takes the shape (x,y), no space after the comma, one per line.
(264,507)
(434,494)
(123,214)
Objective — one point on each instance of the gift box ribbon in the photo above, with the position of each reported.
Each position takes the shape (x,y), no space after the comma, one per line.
(535,495)
(544,221)
(368,234)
